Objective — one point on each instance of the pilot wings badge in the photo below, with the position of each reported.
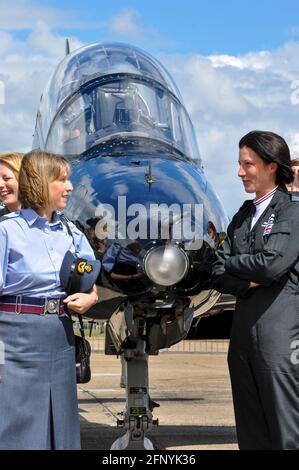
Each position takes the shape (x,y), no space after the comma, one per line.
(268,225)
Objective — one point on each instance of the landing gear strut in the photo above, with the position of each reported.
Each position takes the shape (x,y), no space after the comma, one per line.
(133,337)
(137,418)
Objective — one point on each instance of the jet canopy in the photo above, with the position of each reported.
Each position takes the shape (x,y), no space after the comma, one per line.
(112,91)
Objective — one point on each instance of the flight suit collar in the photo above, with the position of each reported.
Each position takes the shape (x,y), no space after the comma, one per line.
(278,198)
(281,194)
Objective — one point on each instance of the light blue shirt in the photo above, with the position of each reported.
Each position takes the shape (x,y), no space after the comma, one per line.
(31,253)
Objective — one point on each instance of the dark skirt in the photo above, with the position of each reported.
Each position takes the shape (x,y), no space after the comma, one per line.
(38,393)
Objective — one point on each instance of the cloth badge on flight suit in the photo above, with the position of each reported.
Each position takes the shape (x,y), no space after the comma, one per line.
(268,225)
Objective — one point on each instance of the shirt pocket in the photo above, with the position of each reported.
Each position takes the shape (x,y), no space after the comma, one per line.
(278,238)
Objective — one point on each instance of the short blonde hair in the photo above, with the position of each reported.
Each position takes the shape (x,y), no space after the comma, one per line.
(13,160)
(295,162)
(38,169)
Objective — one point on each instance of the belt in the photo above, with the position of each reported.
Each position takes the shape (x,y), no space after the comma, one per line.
(36,306)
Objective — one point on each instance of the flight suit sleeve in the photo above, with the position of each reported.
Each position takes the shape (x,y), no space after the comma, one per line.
(280,253)
(223,281)
(3,256)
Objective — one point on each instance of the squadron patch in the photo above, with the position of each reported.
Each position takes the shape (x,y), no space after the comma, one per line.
(268,225)
(88,268)
(84,267)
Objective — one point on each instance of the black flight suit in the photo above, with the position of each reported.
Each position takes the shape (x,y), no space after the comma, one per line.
(263,355)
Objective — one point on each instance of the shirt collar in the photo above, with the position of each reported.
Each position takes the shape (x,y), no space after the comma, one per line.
(56,219)
(31,217)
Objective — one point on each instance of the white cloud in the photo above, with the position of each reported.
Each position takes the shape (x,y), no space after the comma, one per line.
(6,42)
(23,14)
(25,67)
(126,24)
(195,74)
(284,61)
(294,145)
(43,39)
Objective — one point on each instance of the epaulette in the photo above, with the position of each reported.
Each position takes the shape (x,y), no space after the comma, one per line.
(295,196)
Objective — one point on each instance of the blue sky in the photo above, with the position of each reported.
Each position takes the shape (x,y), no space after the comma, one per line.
(236,64)
(205,27)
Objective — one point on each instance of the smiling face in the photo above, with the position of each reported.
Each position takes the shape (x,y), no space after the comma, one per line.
(59,190)
(257,176)
(8,188)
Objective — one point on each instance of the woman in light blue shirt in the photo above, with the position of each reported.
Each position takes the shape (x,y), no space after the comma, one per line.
(38,401)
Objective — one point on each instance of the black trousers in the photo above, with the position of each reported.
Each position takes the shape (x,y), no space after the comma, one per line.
(266,401)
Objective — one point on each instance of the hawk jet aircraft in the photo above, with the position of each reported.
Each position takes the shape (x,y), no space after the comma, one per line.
(142,198)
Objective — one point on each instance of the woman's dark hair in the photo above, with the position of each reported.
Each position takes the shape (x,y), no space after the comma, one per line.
(271,147)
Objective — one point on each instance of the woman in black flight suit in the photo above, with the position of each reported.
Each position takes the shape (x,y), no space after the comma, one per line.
(259,264)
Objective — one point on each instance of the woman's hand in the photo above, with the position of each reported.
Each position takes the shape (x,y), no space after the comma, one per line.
(80,302)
